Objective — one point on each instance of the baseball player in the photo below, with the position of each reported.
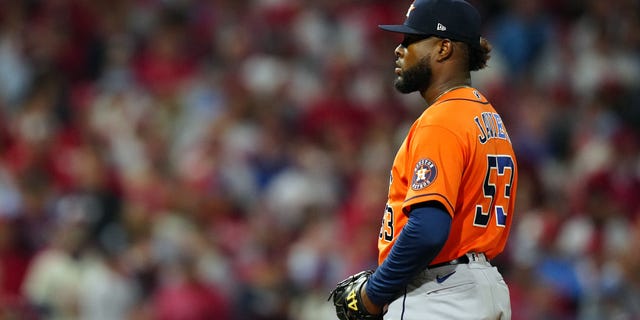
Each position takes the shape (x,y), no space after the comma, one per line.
(452,187)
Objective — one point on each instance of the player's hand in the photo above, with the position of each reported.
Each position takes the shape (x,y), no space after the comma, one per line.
(348,299)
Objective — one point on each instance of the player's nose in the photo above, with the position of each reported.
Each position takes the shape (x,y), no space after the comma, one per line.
(399,51)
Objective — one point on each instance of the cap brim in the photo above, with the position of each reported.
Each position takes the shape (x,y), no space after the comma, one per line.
(400,28)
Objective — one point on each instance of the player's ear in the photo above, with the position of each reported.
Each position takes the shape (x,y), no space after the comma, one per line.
(445,49)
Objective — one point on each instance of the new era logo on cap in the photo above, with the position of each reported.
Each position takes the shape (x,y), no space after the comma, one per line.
(440,27)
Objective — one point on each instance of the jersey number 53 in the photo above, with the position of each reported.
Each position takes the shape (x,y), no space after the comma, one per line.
(496,189)
(386,231)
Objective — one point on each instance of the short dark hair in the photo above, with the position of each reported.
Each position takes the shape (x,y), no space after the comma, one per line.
(479,55)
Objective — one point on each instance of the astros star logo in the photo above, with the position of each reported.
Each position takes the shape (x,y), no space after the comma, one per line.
(424,173)
(411,8)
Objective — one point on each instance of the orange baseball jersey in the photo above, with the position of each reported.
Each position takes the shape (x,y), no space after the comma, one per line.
(458,153)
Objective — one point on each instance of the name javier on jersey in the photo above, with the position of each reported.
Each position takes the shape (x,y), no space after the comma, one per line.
(491,127)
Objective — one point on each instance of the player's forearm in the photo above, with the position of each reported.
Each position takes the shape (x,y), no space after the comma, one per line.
(417,245)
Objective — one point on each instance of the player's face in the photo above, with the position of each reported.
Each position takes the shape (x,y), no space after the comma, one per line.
(413,66)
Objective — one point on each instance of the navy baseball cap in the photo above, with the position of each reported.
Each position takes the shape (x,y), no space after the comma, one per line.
(453,19)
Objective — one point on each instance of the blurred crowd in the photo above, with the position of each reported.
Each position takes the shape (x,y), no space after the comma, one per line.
(224,159)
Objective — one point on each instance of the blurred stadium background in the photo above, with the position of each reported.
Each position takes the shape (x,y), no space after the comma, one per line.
(224,159)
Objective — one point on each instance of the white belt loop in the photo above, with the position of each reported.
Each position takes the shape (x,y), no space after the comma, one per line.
(476,257)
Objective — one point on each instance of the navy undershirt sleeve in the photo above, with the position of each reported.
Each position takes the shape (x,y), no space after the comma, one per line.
(417,245)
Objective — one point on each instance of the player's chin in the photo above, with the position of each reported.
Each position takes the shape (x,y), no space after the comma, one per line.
(402,87)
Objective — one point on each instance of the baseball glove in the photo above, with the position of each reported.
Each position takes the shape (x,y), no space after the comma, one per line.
(347,298)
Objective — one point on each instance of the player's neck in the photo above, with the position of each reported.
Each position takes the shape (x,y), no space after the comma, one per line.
(435,91)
